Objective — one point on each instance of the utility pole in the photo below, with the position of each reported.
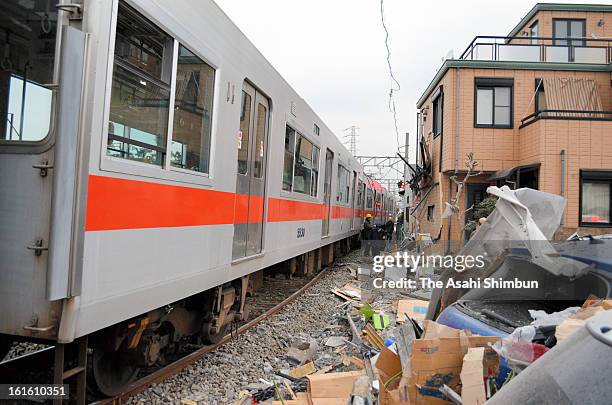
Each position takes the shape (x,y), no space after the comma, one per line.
(352,139)
(406,197)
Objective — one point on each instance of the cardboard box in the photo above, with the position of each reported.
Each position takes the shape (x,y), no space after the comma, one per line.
(439,360)
(393,388)
(415,309)
(473,391)
(331,388)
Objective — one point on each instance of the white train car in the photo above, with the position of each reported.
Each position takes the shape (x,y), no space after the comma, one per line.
(151,159)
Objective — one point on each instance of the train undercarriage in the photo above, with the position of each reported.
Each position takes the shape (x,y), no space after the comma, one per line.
(104,363)
(118,353)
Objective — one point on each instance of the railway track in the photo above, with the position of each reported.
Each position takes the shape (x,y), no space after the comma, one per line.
(38,365)
(178,365)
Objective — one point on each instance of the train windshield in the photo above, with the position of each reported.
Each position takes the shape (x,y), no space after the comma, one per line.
(27,54)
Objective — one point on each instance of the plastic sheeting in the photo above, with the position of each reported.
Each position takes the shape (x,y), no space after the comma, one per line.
(523,219)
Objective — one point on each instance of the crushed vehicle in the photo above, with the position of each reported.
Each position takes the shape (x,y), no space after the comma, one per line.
(515,241)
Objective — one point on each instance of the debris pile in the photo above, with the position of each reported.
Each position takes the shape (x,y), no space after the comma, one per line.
(486,344)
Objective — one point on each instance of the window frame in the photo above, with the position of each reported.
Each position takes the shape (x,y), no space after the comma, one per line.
(342,169)
(539,92)
(177,46)
(568,39)
(594,176)
(491,83)
(180,36)
(431,218)
(437,105)
(369,198)
(42,144)
(535,24)
(315,146)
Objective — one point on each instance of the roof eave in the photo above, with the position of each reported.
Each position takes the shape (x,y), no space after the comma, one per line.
(480,64)
(558,7)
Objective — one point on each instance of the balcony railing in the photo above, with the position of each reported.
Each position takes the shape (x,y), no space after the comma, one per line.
(539,49)
(567,115)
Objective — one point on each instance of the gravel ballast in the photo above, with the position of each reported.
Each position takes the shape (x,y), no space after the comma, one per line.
(257,354)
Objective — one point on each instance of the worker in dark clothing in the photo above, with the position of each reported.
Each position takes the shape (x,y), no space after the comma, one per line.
(367,235)
(399,228)
(389,227)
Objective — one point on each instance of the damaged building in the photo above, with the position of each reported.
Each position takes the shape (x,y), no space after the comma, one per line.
(534,109)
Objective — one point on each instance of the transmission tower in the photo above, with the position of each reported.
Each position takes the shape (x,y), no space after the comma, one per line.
(351,137)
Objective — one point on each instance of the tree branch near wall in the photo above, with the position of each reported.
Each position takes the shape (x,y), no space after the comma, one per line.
(452,207)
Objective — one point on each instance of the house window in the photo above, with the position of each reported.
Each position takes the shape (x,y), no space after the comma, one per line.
(301,166)
(430,213)
(438,110)
(566,29)
(493,106)
(317,130)
(595,202)
(534,33)
(540,98)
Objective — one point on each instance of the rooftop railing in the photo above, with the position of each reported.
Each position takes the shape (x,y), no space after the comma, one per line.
(539,49)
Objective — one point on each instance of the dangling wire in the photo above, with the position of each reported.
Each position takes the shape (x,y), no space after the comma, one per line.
(395,86)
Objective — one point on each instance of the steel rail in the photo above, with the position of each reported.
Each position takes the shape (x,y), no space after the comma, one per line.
(177,366)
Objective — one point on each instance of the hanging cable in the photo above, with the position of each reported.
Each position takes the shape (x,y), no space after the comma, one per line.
(395,86)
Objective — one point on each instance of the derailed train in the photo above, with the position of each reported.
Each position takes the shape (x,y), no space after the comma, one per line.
(146,171)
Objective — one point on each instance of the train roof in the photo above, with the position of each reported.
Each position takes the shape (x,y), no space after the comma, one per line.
(375,185)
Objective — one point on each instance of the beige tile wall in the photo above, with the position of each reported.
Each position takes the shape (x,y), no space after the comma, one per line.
(587,144)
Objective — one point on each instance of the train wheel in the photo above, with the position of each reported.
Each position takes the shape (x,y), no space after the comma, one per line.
(212,334)
(112,370)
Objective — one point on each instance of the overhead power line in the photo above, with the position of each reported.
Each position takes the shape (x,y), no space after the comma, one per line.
(395,86)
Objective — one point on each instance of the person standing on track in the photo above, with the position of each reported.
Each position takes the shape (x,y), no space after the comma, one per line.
(367,235)
(389,228)
(399,228)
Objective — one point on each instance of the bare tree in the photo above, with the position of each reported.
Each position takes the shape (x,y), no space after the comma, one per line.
(471,165)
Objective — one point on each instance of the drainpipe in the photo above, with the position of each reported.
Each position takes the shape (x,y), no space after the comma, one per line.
(562,156)
(457,103)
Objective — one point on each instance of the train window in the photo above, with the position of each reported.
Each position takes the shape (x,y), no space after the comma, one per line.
(140,94)
(315,171)
(302,177)
(360,195)
(301,167)
(289,153)
(28,32)
(243,136)
(192,112)
(343,185)
(369,198)
(260,140)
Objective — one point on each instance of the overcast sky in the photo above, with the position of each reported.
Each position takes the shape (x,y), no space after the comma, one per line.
(332,52)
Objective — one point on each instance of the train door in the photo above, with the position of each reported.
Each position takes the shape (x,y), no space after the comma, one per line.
(354,199)
(251,175)
(329,160)
(359,208)
(39,130)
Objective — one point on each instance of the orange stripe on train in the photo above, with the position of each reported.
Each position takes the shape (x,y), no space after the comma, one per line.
(114,204)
